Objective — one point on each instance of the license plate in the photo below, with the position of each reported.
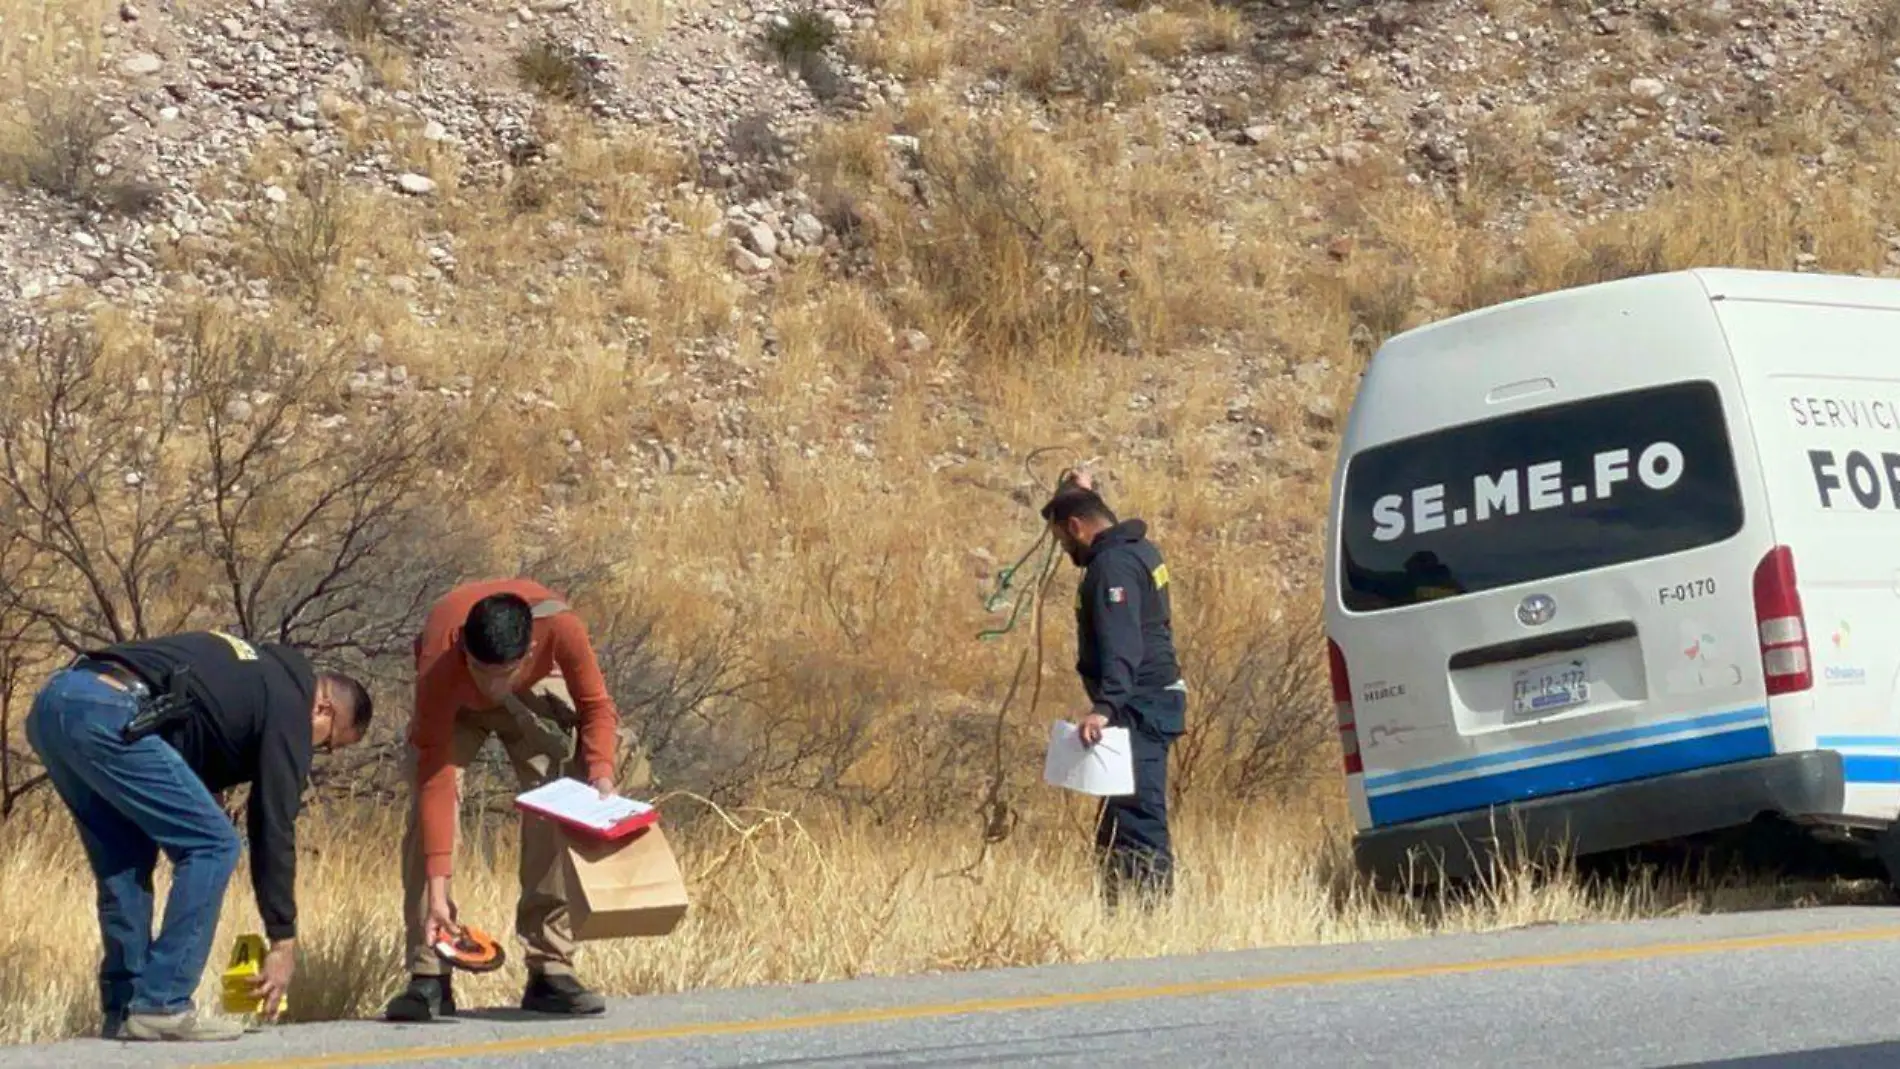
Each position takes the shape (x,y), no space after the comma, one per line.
(1545,688)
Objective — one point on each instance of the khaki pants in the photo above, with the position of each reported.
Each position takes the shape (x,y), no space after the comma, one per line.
(539,752)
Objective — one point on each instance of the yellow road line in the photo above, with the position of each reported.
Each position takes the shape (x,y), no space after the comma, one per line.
(713,1029)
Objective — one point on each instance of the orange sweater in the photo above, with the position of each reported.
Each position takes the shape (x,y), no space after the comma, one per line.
(444,687)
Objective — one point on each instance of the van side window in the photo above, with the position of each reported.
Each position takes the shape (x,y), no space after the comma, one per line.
(1540,493)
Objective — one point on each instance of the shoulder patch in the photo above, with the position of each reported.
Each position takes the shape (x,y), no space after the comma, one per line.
(242,649)
(1160,574)
(1115,595)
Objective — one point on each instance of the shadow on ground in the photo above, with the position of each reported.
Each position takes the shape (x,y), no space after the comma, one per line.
(1866,1055)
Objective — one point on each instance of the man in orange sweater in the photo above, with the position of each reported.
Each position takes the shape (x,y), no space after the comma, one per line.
(502,657)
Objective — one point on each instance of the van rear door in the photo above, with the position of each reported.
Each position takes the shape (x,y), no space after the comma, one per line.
(1549,600)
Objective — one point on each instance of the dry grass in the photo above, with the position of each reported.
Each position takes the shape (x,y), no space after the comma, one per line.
(777,899)
(832,500)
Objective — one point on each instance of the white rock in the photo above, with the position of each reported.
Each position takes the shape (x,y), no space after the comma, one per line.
(415,184)
(807,228)
(142,64)
(275,194)
(434,131)
(1647,88)
(746,261)
(762,240)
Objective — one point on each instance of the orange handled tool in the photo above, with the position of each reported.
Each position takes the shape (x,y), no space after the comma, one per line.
(472,950)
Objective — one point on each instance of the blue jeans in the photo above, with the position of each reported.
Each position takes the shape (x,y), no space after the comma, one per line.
(131,801)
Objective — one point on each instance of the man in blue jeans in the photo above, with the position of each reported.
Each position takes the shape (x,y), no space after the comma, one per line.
(223,711)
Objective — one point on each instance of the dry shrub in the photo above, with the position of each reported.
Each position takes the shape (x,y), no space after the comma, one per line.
(1252,876)
(302,243)
(1063,56)
(55,145)
(915,40)
(557,71)
(1171,32)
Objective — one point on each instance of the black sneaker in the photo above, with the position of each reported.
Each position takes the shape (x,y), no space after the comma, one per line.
(425,998)
(560,994)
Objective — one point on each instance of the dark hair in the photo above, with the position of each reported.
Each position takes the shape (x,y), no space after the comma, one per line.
(499,629)
(1072,502)
(355,695)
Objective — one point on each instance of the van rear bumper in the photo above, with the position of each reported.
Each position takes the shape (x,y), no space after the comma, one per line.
(1606,818)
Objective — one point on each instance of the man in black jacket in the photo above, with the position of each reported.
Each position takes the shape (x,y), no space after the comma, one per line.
(136,738)
(1126,659)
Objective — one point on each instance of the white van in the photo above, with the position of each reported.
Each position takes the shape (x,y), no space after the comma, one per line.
(1619,564)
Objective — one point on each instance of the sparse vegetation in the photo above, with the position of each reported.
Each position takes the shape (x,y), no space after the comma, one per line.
(55,149)
(763,405)
(557,71)
(801,40)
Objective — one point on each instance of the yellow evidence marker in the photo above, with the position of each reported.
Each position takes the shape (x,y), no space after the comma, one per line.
(247,958)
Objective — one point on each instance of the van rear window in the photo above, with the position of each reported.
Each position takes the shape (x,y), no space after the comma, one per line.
(1550,491)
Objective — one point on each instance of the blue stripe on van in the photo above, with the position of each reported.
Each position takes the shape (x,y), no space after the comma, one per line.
(1757,714)
(1871,768)
(1864,767)
(1846,742)
(1597,770)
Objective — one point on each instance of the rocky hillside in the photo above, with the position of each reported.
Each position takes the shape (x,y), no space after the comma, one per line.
(123,183)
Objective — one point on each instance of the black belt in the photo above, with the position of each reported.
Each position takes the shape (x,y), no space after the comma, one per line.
(156,710)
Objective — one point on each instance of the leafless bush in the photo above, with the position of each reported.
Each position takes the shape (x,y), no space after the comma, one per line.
(62,134)
(1258,718)
(304,242)
(1004,253)
(558,71)
(411,25)
(1066,58)
(21,651)
(217,484)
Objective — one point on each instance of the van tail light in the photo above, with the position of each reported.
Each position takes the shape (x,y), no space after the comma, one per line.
(1342,708)
(1785,656)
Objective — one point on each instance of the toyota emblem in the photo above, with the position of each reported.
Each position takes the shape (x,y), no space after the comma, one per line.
(1536,609)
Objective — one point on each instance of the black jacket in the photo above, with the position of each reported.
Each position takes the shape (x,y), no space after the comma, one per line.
(1124,635)
(250,724)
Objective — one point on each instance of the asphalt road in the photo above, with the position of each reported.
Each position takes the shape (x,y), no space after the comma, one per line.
(1800,988)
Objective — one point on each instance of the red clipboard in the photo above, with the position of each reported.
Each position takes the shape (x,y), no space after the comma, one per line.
(620,829)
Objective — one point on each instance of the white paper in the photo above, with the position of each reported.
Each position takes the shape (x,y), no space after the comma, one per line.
(1104,769)
(579,802)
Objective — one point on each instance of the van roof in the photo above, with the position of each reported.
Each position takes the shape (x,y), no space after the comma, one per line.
(1717,283)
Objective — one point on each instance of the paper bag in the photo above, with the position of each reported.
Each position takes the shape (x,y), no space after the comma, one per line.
(629,887)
